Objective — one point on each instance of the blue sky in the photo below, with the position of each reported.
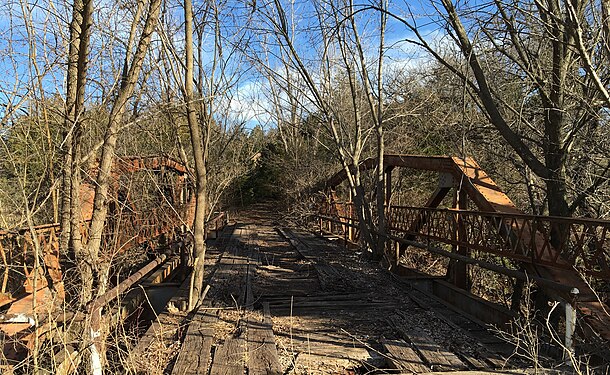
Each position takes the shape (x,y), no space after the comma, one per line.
(50,21)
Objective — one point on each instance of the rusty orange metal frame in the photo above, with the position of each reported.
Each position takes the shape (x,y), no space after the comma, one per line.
(16,245)
(584,243)
(498,228)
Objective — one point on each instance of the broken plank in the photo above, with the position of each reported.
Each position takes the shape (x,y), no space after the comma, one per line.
(194,356)
(330,278)
(402,357)
(229,358)
(489,359)
(262,352)
(437,357)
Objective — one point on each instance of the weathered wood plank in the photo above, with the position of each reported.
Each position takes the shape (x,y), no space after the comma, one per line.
(346,303)
(246,294)
(487,358)
(229,358)
(262,352)
(165,327)
(330,278)
(321,297)
(402,357)
(437,357)
(194,356)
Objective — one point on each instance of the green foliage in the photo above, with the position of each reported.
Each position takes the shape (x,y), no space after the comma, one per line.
(29,163)
(263,181)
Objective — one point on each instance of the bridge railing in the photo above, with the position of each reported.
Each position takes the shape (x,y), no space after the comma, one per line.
(137,228)
(128,230)
(17,252)
(551,241)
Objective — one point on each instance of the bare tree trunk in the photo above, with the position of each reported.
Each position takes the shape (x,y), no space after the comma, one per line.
(75,98)
(379,116)
(555,154)
(128,82)
(69,117)
(200,167)
(376,108)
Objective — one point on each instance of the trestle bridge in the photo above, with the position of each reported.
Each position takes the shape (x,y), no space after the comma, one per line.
(286,300)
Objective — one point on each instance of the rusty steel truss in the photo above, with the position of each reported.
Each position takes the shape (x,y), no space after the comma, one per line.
(559,252)
(583,244)
(23,286)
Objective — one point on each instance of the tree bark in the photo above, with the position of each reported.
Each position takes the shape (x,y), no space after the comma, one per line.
(200,167)
(128,82)
(75,98)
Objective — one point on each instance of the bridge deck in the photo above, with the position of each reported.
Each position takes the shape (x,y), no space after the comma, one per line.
(284,300)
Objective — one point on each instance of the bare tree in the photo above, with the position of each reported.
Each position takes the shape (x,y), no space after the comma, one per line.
(102,183)
(345,71)
(199,151)
(208,92)
(76,80)
(542,45)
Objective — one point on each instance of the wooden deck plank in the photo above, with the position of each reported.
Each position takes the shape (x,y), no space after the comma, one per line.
(196,350)
(487,358)
(321,297)
(229,358)
(402,357)
(262,352)
(328,330)
(194,356)
(437,357)
(330,278)
(163,328)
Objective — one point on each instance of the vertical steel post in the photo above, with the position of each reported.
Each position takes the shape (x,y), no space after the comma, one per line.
(458,270)
(388,185)
(350,214)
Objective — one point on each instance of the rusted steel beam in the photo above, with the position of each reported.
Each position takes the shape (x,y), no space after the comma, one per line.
(433,202)
(136,228)
(583,246)
(457,270)
(509,235)
(130,164)
(586,242)
(131,230)
(469,260)
(96,306)
(490,266)
(15,246)
(527,238)
(426,163)
(113,293)
(481,189)
(388,185)
(419,162)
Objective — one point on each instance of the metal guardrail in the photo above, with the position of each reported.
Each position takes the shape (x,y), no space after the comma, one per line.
(557,242)
(16,246)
